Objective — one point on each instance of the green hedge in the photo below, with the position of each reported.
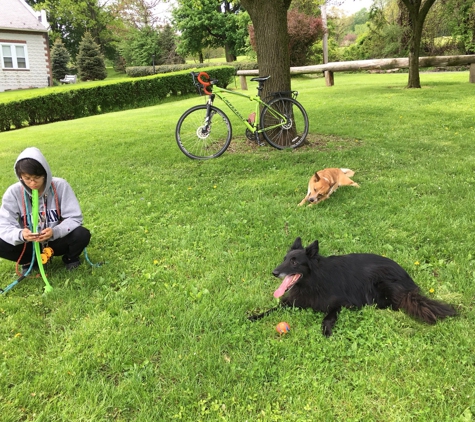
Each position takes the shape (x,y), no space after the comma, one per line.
(83,102)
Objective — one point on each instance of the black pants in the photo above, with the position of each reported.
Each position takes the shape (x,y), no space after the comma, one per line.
(70,247)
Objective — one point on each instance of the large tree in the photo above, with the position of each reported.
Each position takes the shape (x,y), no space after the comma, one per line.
(269,18)
(417,10)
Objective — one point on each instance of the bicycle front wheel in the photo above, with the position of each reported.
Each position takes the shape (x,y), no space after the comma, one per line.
(284,133)
(201,138)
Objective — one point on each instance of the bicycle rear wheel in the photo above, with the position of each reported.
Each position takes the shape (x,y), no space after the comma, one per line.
(201,139)
(280,134)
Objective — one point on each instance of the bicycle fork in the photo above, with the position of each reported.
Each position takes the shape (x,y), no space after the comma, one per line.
(205,129)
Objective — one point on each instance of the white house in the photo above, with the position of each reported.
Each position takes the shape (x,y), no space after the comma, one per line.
(24,47)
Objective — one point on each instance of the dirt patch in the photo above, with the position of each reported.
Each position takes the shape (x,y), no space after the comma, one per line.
(240,144)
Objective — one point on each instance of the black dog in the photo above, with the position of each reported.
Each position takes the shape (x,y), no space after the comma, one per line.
(326,284)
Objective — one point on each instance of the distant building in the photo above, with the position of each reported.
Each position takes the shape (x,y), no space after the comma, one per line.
(24,47)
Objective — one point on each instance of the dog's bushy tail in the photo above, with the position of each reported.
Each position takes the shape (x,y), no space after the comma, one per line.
(348,172)
(425,309)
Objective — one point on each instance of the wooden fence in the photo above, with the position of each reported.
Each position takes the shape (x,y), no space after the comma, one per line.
(376,64)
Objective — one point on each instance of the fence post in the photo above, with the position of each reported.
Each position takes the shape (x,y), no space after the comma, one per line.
(242,80)
(329,78)
(471,77)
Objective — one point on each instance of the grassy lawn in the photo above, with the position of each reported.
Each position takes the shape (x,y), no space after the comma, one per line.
(159,333)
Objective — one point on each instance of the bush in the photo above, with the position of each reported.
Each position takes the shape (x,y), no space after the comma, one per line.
(74,103)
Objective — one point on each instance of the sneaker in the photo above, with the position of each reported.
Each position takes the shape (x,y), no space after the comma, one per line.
(72,265)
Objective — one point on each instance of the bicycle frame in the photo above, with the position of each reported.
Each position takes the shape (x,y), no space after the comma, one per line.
(253,128)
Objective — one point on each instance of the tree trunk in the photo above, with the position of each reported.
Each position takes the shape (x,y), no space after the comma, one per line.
(414,80)
(230,57)
(417,14)
(269,18)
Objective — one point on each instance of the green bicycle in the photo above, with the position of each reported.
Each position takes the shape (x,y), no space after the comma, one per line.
(204,131)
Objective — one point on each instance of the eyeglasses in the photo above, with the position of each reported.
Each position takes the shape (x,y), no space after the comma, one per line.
(31,178)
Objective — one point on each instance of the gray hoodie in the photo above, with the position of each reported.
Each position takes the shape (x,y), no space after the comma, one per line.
(57,192)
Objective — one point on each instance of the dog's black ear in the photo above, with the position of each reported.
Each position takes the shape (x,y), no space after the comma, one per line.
(312,250)
(317,177)
(297,244)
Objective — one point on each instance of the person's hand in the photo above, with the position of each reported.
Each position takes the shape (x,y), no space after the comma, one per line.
(28,236)
(45,235)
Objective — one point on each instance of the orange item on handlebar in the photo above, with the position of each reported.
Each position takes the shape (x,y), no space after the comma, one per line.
(205,84)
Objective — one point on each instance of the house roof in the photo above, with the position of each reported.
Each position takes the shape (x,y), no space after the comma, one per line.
(17,15)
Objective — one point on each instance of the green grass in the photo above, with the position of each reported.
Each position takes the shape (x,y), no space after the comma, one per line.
(159,333)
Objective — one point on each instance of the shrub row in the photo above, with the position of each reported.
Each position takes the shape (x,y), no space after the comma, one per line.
(82,102)
(138,71)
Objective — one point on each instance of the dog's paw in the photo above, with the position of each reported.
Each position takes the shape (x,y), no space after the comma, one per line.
(327,329)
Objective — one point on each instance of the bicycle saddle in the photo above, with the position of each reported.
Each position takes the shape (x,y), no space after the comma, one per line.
(260,78)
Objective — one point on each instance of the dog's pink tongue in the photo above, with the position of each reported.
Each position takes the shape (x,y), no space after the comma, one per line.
(285,284)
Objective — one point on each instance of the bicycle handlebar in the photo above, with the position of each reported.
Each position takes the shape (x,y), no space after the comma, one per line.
(204,81)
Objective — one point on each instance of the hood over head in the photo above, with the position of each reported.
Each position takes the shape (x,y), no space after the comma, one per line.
(35,154)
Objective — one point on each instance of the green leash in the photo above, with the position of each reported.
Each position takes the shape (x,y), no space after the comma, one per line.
(34,218)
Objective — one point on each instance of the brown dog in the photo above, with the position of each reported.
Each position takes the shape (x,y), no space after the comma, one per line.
(324,182)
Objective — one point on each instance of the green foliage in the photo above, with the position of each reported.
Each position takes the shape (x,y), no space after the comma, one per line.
(59,60)
(379,37)
(303,31)
(167,42)
(139,46)
(159,333)
(71,19)
(360,18)
(308,7)
(81,102)
(90,62)
(460,17)
(334,52)
(208,24)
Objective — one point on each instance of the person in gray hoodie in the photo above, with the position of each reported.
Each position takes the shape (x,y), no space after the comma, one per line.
(60,219)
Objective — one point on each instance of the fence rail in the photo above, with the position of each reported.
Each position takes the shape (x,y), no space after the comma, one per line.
(376,64)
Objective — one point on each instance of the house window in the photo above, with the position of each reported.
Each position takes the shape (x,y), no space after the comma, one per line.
(14,56)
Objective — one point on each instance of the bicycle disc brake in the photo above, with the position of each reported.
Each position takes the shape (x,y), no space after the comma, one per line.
(203,132)
(289,123)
